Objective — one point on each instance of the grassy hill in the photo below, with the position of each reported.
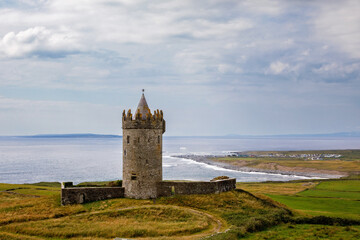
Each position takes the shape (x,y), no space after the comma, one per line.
(33,211)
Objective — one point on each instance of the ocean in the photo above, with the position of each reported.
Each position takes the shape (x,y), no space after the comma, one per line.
(30,160)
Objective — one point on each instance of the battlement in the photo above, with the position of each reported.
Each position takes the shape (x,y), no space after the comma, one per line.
(139,121)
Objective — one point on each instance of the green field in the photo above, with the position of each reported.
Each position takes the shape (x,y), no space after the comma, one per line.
(329,198)
(321,206)
(335,198)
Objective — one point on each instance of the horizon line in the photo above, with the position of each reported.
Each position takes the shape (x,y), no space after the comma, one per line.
(340,134)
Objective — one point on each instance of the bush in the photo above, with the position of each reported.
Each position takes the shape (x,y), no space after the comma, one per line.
(117,183)
(219,178)
(324,220)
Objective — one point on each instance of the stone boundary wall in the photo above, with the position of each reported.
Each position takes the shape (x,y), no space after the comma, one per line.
(74,195)
(165,189)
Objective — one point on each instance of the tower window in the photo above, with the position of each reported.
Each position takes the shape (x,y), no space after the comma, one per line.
(124,152)
(159,139)
(128,139)
(133,176)
(138,140)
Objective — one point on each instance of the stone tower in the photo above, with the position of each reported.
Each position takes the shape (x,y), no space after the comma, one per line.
(142,151)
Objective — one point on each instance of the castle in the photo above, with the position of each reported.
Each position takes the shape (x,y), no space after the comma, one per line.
(142,165)
(142,151)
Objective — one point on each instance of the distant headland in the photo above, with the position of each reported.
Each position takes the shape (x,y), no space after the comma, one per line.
(230,136)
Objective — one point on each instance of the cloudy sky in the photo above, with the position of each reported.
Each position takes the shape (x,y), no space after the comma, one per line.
(215,67)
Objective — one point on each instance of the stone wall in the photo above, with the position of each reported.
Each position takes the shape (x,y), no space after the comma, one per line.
(74,195)
(185,188)
(89,194)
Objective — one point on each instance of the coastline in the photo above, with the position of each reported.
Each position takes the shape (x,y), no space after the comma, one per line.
(312,174)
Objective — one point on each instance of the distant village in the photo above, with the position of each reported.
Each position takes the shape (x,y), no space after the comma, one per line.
(307,156)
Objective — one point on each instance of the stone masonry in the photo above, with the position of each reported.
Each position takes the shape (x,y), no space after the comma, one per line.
(71,195)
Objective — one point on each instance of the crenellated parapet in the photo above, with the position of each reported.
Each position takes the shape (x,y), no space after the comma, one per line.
(139,121)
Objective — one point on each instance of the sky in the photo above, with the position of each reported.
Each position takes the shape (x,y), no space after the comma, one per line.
(215,67)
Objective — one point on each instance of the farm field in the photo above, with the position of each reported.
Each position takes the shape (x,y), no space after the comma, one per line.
(335,198)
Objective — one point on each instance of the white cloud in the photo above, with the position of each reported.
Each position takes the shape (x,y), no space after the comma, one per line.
(221,48)
(337,69)
(205,28)
(305,53)
(338,23)
(277,67)
(227,68)
(269,7)
(195,62)
(38,41)
(327,68)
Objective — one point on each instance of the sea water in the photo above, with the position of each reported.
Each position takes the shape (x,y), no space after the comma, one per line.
(29,160)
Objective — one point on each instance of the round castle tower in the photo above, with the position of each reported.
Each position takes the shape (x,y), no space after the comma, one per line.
(142,151)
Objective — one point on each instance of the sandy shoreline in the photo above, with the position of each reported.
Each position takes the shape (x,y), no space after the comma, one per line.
(207,160)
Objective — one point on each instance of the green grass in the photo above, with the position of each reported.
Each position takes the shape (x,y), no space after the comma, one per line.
(306,231)
(337,198)
(31,189)
(47,184)
(130,223)
(330,194)
(284,188)
(97,184)
(33,211)
(321,206)
(343,185)
(242,211)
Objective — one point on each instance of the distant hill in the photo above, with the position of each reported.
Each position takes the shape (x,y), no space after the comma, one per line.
(90,135)
(339,134)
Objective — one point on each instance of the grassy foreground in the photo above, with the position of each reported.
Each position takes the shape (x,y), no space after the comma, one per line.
(33,211)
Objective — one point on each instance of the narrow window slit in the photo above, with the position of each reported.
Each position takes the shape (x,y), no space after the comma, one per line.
(133,176)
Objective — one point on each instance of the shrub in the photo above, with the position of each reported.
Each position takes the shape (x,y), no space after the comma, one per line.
(219,178)
(324,220)
(117,183)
